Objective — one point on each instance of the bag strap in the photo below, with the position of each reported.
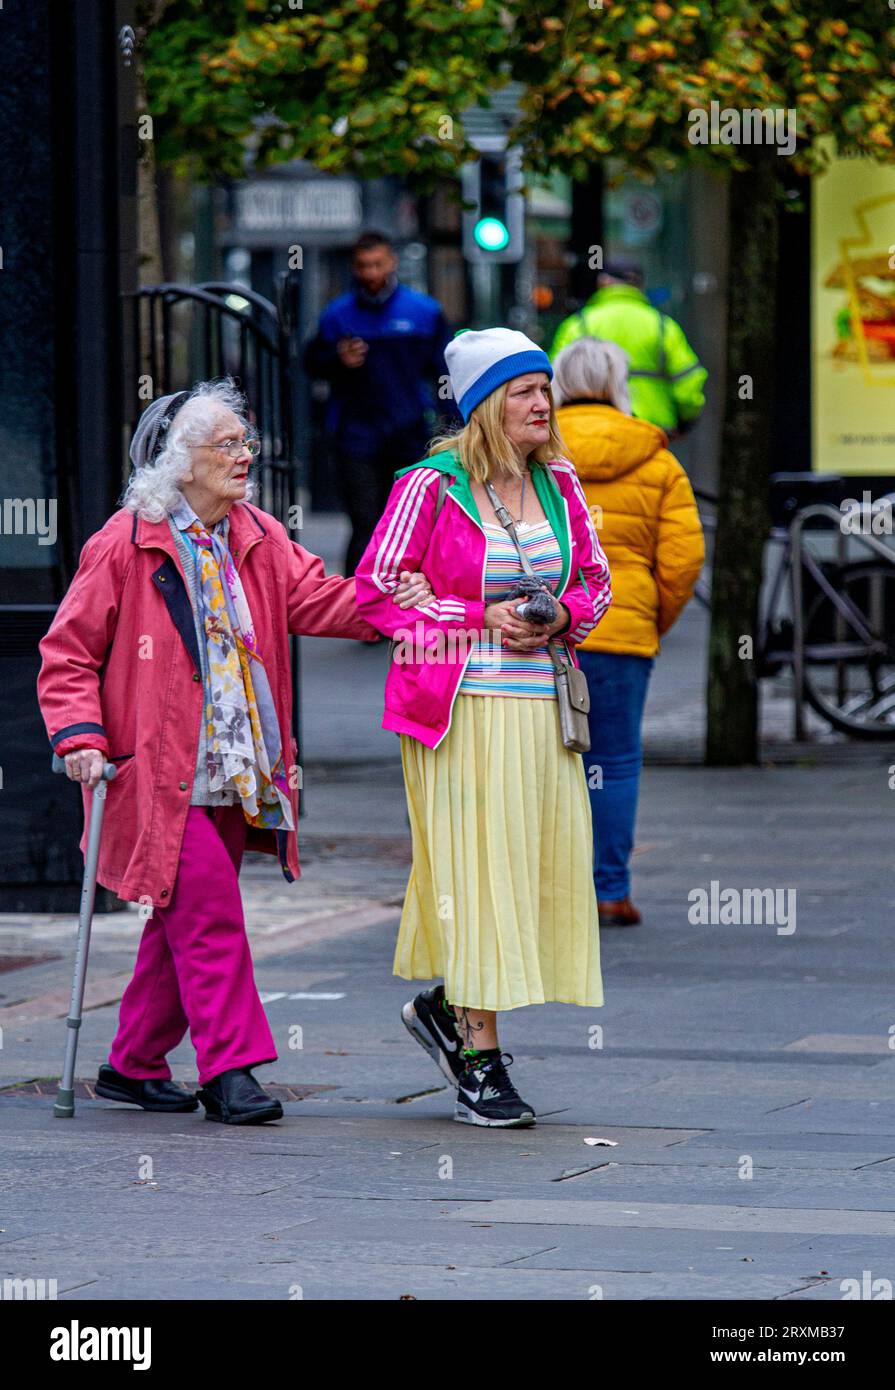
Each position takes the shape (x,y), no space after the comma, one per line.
(509,525)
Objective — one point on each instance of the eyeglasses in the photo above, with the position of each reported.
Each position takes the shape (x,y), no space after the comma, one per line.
(235,447)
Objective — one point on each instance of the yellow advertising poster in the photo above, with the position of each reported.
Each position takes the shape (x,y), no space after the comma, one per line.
(853,318)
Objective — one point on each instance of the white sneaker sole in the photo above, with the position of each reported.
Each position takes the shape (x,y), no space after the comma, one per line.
(417,1030)
(466,1116)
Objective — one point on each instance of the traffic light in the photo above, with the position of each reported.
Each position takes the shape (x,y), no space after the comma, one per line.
(494,226)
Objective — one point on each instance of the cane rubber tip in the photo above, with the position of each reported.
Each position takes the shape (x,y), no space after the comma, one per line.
(64,1107)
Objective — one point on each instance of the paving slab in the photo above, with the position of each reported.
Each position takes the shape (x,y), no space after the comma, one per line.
(715,1043)
(681,1215)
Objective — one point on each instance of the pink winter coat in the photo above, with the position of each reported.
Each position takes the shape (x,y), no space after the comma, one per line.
(451,551)
(121,673)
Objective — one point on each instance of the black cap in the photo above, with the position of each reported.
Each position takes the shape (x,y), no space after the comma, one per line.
(624,269)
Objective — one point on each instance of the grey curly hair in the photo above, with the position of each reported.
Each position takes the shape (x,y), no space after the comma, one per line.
(153,491)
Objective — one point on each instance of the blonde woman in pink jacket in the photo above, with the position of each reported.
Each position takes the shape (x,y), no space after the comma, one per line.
(500,903)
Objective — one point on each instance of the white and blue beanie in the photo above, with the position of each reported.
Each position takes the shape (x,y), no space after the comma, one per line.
(480,360)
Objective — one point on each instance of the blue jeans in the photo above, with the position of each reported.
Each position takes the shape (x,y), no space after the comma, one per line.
(618,685)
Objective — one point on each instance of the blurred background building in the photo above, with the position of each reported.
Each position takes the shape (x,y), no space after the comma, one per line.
(93,238)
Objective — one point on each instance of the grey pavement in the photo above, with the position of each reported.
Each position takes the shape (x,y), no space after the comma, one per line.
(741,1075)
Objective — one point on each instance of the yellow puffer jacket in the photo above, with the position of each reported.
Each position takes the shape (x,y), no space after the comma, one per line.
(645,514)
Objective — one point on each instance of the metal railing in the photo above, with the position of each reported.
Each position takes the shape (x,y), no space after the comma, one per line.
(188,333)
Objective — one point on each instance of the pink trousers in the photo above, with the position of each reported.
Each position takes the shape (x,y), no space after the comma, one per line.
(194,967)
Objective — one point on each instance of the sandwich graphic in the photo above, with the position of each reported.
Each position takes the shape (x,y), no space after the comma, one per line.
(867,318)
(865,276)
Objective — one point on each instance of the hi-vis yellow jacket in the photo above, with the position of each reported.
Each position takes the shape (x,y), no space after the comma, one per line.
(645,515)
(666,378)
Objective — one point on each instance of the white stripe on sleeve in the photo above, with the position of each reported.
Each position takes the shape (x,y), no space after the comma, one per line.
(387,564)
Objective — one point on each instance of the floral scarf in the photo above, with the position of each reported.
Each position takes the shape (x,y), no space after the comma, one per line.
(244,748)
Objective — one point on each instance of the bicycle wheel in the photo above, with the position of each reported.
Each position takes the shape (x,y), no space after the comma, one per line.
(850,651)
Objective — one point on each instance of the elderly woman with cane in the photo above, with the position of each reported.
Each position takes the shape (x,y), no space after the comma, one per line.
(169,657)
(500,901)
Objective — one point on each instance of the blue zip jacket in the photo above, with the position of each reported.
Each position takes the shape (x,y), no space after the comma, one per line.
(395,388)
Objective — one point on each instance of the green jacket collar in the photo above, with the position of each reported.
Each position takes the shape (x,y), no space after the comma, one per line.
(614,292)
(545,485)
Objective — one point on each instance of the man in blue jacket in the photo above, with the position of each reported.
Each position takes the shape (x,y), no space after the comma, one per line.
(381,348)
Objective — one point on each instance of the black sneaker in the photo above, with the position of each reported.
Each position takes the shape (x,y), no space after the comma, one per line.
(425,1019)
(487,1096)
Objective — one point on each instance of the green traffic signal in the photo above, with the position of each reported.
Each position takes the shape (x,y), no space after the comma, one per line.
(491,234)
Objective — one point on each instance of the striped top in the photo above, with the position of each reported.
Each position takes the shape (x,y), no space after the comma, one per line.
(493,670)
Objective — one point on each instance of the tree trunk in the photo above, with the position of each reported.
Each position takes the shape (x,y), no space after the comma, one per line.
(743,514)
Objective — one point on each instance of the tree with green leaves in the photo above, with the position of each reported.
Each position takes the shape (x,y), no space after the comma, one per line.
(377,87)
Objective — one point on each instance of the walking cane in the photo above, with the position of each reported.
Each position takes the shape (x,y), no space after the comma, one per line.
(64,1108)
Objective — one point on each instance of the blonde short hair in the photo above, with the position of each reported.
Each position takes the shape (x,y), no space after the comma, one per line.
(483,446)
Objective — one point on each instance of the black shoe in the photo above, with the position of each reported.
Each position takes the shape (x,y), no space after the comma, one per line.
(425,1019)
(235,1098)
(487,1096)
(151,1095)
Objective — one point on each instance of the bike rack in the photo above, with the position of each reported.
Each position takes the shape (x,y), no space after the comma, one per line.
(801,557)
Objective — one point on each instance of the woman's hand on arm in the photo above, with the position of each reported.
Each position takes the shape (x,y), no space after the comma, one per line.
(413,591)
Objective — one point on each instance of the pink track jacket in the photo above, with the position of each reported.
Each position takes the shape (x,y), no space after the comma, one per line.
(451,551)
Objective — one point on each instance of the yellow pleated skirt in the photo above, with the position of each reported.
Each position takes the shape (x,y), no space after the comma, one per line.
(500,902)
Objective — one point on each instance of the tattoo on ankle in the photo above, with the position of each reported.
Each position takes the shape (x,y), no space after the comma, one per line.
(467,1029)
